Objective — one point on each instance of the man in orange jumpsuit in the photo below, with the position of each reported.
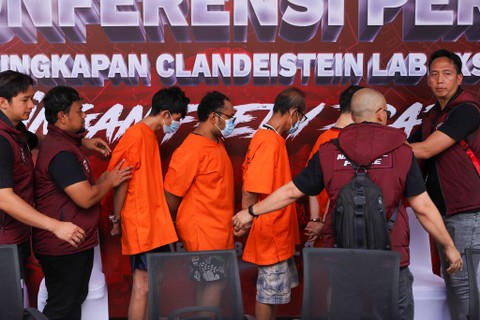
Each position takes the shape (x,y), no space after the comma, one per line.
(272,238)
(319,204)
(139,204)
(199,188)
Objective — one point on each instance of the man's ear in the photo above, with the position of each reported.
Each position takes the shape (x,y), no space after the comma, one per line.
(3,102)
(61,116)
(164,113)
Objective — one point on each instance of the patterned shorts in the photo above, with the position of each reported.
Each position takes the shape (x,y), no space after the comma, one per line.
(207,269)
(275,282)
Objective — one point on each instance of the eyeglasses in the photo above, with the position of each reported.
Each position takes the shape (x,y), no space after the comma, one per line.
(389,113)
(302,117)
(226,115)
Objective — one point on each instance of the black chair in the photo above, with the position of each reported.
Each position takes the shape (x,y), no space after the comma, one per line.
(11,302)
(194,285)
(350,284)
(473,264)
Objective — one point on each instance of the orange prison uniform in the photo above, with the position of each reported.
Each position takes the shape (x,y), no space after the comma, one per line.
(266,168)
(146,221)
(201,172)
(323,198)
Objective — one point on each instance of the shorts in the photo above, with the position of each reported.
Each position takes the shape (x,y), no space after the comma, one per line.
(275,282)
(207,269)
(139,261)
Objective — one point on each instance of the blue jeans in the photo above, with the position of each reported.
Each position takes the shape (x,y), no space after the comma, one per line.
(405,294)
(464,228)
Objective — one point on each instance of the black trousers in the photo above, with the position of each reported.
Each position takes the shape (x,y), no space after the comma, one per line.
(66,279)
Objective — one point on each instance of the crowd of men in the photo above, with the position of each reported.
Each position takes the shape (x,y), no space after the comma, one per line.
(194,203)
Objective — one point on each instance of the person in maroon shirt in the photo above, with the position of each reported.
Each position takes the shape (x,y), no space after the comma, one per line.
(66,190)
(447,140)
(17,213)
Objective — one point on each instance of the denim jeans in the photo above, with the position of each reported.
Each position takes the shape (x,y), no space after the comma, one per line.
(405,294)
(464,228)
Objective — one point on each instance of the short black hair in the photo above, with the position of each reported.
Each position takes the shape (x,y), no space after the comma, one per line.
(346,98)
(212,102)
(288,98)
(172,99)
(443,53)
(59,98)
(12,83)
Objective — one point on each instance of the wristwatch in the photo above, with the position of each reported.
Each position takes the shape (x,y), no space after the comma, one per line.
(114,219)
(316,220)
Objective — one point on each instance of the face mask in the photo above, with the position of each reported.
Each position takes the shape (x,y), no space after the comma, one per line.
(229,126)
(172,127)
(293,127)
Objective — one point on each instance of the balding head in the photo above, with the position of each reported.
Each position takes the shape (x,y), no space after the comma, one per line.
(369,105)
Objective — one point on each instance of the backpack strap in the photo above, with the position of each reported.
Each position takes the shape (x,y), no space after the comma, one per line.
(360,172)
(354,165)
(393,218)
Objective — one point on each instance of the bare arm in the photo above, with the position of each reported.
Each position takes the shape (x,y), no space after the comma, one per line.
(313,229)
(17,208)
(436,143)
(432,222)
(173,203)
(280,198)
(86,195)
(248,199)
(119,196)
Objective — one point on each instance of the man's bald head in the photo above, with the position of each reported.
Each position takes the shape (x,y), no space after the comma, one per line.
(369,105)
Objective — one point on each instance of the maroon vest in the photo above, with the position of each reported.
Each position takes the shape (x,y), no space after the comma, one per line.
(389,172)
(459,181)
(13,231)
(55,203)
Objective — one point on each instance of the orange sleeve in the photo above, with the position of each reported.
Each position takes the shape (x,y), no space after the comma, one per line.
(260,168)
(128,149)
(182,170)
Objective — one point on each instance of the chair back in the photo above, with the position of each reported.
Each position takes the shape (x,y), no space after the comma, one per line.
(11,303)
(194,285)
(473,265)
(350,284)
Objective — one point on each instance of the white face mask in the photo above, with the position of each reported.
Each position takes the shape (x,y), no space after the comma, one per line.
(229,126)
(173,127)
(293,127)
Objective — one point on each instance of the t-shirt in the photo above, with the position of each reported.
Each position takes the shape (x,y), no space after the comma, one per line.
(310,180)
(201,173)
(266,168)
(146,221)
(461,121)
(328,135)
(66,170)
(6,164)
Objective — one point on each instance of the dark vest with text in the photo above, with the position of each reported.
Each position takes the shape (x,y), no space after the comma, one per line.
(459,181)
(54,202)
(13,231)
(389,171)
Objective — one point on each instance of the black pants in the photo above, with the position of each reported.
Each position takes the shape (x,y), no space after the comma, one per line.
(66,279)
(24,251)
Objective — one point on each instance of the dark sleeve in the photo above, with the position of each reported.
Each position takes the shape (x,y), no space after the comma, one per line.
(32,140)
(461,121)
(416,136)
(6,164)
(414,185)
(66,170)
(310,180)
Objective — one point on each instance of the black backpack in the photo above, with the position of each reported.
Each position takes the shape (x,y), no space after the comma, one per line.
(359,219)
